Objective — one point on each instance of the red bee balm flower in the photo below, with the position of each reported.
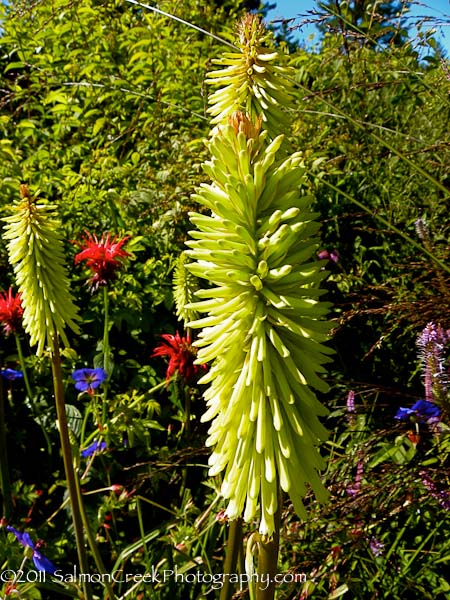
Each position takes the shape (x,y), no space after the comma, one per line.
(181,356)
(102,256)
(11,312)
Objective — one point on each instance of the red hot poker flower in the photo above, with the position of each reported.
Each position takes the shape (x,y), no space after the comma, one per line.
(181,356)
(11,312)
(102,256)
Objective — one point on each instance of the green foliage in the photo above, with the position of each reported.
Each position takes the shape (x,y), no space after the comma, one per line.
(378,121)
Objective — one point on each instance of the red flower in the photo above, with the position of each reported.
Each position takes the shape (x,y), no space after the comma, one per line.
(11,312)
(102,256)
(181,356)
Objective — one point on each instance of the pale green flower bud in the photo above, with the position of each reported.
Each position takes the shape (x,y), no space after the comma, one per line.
(253,80)
(184,288)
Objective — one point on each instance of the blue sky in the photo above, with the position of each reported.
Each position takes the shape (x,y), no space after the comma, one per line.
(438,11)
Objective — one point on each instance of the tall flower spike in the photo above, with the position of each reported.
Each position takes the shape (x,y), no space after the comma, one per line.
(264,327)
(252,80)
(36,253)
(184,287)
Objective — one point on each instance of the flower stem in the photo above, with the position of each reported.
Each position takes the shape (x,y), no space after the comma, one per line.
(5,483)
(268,559)
(30,393)
(106,359)
(92,544)
(234,548)
(68,464)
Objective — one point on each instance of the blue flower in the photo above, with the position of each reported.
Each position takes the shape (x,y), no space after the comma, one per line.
(422,410)
(94,447)
(41,562)
(11,374)
(86,380)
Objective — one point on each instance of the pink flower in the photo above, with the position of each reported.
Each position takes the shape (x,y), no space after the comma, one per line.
(11,312)
(181,356)
(103,257)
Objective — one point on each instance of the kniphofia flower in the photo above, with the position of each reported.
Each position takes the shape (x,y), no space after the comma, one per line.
(103,257)
(87,380)
(11,311)
(181,356)
(41,562)
(36,252)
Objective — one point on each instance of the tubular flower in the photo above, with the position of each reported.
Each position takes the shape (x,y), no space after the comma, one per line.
(251,80)
(36,253)
(103,257)
(181,356)
(11,312)
(41,562)
(263,331)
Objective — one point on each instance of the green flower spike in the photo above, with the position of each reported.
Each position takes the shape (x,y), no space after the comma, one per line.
(251,81)
(263,331)
(36,253)
(184,287)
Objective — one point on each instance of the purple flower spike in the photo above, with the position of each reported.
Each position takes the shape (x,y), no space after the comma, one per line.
(354,489)
(87,380)
(376,547)
(431,343)
(438,493)
(351,402)
(41,562)
(93,448)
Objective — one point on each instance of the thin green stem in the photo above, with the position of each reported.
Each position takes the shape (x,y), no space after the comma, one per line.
(30,393)
(5,482)
(165,14)
(141,529)
(106,350)
(234,547)
(66,450)
(23,367)
(106,359)
(187,410)
(405,236)
(92,544)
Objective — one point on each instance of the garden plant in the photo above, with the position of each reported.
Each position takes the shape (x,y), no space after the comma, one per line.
(224,303)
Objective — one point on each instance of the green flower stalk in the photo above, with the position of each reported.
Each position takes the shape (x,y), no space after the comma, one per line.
(36,252)
(252,80)
(264,327)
